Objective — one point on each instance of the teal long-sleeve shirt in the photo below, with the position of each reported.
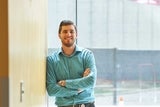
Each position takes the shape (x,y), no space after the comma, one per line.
(71,69)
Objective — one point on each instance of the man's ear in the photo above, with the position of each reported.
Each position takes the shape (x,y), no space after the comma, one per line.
(59,36)
(76,34)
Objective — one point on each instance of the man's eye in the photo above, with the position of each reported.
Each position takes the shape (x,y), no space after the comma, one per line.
(64,31)
(72,32)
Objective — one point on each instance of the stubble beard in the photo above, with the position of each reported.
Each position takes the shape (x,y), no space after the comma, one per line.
(68,44)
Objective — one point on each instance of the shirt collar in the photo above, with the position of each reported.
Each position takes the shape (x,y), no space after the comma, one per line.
(77,49)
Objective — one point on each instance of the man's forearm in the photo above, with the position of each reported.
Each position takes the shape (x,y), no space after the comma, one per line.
(85,73)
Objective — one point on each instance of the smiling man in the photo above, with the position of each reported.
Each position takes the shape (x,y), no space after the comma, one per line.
(71,71)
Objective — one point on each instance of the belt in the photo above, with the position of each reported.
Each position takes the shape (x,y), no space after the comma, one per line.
(81,105)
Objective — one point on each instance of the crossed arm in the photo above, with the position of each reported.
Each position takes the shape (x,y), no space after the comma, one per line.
(85,73)
(71,86)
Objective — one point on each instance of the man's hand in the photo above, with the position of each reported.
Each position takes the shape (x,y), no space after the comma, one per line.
(62,83)
(80,90)
(86,72)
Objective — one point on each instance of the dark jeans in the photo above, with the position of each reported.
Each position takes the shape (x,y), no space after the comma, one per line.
(80,105)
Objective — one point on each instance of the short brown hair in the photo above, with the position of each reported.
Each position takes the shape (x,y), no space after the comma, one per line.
(65,23)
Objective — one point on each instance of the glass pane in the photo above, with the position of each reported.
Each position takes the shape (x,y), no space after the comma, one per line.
(124,36)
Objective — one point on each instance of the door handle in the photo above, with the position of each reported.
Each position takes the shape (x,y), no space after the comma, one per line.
(21,90)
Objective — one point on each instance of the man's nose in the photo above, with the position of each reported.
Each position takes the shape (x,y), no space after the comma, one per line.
(68,33)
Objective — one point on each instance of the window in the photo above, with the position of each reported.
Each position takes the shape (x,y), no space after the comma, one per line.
(124,37)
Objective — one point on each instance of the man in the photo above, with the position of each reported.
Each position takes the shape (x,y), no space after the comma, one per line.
(71,71)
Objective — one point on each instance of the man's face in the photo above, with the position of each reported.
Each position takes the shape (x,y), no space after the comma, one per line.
(68,35)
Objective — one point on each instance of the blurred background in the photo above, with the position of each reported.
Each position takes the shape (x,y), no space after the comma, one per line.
(124,36)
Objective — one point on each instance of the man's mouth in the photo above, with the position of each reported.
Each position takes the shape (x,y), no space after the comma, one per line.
(68,38)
